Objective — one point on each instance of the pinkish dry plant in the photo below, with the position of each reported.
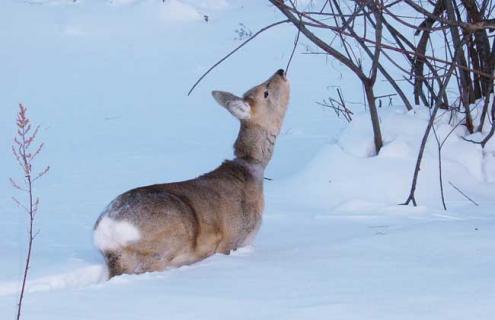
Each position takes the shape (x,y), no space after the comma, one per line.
(25,152)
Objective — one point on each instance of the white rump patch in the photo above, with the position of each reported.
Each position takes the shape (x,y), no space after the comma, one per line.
(111,234)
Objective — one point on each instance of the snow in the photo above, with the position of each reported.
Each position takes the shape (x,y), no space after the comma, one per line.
(348,170)
(107,82)
(176,11)
(79,278)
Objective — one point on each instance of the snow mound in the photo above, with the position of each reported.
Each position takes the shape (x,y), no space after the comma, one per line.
(125,2)
(51,2)
(209,4)
(78,278)
(177,11)
(348,170)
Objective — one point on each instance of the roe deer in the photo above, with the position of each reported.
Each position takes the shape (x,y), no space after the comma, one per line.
(169,225)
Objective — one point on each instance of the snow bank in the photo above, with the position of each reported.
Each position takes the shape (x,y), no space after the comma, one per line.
(78,278)
(349,170)
(170,11)
(178,11)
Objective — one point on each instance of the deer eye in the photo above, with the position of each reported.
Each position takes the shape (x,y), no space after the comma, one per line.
(266,94)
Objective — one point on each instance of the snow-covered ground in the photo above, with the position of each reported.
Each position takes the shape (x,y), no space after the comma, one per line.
(107,82)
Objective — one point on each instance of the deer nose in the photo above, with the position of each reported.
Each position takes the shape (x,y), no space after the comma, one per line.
(280,72)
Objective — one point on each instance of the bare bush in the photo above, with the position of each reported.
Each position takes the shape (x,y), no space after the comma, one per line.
(367,35)
(459,28)
(25,152)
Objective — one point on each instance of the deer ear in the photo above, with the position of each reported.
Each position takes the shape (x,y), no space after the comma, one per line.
(235,105)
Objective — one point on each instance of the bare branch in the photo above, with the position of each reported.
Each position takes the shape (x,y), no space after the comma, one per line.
(465,195)
(445,83)
(234,51)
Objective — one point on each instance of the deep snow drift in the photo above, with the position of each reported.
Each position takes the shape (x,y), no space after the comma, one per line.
(107,81)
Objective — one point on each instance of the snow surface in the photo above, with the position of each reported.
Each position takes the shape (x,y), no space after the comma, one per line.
(107,82)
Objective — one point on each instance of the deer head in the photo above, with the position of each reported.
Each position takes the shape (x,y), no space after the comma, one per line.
(261,111)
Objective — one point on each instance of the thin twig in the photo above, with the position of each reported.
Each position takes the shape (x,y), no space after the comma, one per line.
(25,156)
(296,41)
(465,195)
(411,197)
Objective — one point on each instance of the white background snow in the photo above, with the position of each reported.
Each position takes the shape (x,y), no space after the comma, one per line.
(107,82)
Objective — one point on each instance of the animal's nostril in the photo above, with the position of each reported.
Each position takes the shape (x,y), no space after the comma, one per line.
(281,72)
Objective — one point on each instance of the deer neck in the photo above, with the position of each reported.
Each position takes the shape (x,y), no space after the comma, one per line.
(254,145)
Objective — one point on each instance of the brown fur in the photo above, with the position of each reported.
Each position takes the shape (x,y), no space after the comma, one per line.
(183,222)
